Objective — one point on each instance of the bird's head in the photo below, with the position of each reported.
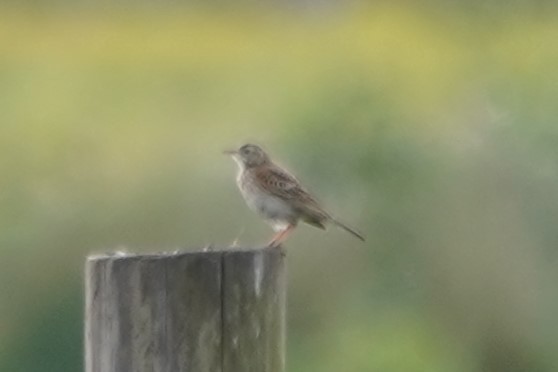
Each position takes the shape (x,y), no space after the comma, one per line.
(249,155)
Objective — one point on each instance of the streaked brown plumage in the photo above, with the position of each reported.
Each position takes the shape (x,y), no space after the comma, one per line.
(277,195)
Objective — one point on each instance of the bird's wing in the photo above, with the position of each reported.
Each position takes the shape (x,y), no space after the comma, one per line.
(284,185)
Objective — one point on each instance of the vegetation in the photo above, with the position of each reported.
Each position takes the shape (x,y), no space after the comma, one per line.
(432,129)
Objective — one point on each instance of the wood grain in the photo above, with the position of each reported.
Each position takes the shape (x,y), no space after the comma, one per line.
(218,311)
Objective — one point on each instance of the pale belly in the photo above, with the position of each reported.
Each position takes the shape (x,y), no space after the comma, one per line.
(274,210)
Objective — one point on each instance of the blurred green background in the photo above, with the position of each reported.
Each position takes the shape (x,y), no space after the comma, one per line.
(428,125)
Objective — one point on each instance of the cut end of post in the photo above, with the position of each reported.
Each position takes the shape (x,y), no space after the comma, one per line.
(125,254)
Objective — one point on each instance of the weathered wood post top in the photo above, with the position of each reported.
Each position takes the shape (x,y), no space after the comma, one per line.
(217,311)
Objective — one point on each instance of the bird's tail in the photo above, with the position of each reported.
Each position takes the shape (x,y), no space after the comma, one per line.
(348,229)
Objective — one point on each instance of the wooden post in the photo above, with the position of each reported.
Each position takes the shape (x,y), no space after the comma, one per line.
(218,311)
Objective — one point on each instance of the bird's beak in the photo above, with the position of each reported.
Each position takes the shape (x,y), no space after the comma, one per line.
(230,152)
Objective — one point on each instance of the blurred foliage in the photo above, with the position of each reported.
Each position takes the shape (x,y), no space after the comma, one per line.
(430,126)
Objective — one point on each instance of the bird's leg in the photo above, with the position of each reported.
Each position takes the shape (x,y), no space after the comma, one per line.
(281,236)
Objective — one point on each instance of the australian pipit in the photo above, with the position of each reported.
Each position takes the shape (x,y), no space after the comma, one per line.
(277,196)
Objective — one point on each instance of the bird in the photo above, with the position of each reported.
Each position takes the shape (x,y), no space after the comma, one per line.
(277,196)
